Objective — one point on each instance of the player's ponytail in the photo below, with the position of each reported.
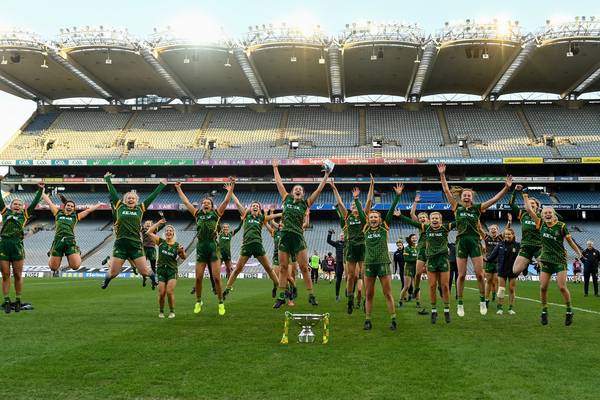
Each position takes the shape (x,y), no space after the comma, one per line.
(64,200)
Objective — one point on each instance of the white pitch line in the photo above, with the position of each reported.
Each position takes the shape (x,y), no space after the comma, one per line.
(550,304)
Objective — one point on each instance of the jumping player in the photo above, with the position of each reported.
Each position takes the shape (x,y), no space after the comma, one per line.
(354,241)
(207,251)
(253,220)
(467,214)
(12,251)
(411,252)
(166,267)
(491,239)
(377,257)
(224,242)
(531,241)
(128,214)
(64,244)
(292,240)
(553,256)
(421,265)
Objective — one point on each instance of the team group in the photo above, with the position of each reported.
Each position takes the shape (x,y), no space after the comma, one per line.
(365,251)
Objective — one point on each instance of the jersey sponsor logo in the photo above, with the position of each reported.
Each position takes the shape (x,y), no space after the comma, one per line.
(126,212)
(375,235)
(549,235)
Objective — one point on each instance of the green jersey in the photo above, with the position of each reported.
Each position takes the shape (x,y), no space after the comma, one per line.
(376,239)
(276,239)
(224,239)
(128,220)
(410,254)
(467,220)
(207,225)
(14,222)
(553,249)
(529,232)
(353,232)
(293,215)
(491,242)
(341,217)
(167,254)
(253,228)
(436,240)
(65,224)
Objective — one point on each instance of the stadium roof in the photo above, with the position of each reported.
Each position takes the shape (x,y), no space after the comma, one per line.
(483,59)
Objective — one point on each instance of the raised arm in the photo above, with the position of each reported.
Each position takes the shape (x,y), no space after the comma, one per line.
(48,201)
(369,202)
(330,241)
(88,211)
(442,170)
(574,246)
(361,213)
(238,228)
(229,187)
(390,214)
(278,181)
(499,195)
(146,203)
(181,252)
(306,222)
(186,202)
(271,217)
(509,218)
(154,228)
(341,206)
(530,211)
(413,208)
(313,197)
(114,196)
(239,206)
(514,209)
(36,199)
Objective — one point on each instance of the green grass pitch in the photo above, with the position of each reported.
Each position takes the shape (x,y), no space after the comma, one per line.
(81,342)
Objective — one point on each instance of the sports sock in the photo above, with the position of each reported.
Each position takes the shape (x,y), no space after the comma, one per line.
(281,294)
(368,317)
(510,307)
(481,299)
(494,296)
(393,317)
(310,291)
(220,301)
(446,307)
(7,299)
(569,309)
(460,301)
(499,306)
(544,308)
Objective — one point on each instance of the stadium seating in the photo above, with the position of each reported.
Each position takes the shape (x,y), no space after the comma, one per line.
(242,127)
(321,127)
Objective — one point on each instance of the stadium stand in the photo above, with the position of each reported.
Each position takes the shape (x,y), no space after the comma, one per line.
(170,134)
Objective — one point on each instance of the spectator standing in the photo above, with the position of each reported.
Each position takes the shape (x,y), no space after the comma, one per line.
(399,261)
(315,262)
(339,260)
(453,266)
(590,267)
(576,271)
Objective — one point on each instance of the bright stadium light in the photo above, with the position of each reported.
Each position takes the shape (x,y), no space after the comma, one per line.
(44,65)
(4,61)
(196,29)
(321,60)
(186,60)
(227,63)
(293,59)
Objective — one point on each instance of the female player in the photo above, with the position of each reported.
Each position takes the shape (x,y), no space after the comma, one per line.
(421,265)
(128,214)
(411,252)
(354,241)
(467,214)
(207,251)
(166,267)
(505,254)
(553,256)
(12,251)
(531,241)
(64,244)
(377,257)
(274,229)
(292,240)
(224,242)
(149,246)
(436,251)
(253,220)
(491,240)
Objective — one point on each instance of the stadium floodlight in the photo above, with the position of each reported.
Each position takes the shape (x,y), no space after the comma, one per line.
(293,59)
(377,143)
(294,144)
(44,65)
(485,55)
(462,142)
(569,53)
(321,60)
(4,61)
(186,60)
(373,57)
(227,63)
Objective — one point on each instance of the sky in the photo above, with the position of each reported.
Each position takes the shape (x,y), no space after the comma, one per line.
(141,16)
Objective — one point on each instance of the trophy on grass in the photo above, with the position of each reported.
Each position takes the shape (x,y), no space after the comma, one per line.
(306,322)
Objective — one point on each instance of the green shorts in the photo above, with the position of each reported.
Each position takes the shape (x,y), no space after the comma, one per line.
(530,252)
(207,251)
(150,253)
(421,255)
(225,255)
(468,246)
(291,243)
(64,247)
(126,249)
(490,268)
(410,269)
(12,250)
(165,274)
(253,250)
(552,269)
(355,252)
(377,270)
(275,260)
(438,263)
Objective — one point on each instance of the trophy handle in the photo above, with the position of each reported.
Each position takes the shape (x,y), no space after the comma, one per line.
(326,328)
(286,322)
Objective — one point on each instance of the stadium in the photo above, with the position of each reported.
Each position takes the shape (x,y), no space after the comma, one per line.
(374,99)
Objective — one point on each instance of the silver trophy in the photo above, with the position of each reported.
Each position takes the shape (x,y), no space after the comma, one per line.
(306,322)
(327,166)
